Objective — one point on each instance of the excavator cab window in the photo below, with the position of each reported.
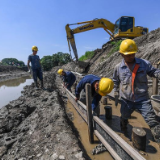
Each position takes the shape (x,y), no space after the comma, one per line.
(126,23)
(116,27)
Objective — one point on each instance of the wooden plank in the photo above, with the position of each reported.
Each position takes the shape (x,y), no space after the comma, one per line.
(124,145)
(89,113)
(109,148)
(80,107)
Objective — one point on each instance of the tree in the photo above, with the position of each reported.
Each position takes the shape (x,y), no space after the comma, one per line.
(12,62)
(55,60)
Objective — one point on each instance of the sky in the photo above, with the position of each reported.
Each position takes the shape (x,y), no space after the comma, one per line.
(24,23)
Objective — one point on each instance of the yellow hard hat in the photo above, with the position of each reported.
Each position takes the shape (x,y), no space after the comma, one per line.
(127,47)
(34,48)
(60,71)
(105,86)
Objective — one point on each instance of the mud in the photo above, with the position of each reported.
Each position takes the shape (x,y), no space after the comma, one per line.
(35,126)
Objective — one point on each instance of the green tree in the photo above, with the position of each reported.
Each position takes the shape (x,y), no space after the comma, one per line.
(55,60)
(47,63)
(12,62)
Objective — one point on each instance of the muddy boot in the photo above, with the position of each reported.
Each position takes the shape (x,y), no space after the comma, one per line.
(36,86)
(123,123)
(156,133)
(42,87)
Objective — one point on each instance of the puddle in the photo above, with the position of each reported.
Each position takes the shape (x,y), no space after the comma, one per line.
(11,89)
(82,128)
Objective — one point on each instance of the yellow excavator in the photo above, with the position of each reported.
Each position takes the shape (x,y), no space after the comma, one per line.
(124,27)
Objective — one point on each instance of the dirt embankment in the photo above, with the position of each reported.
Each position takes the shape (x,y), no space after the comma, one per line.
(11,72)
(35,126)
(103,62)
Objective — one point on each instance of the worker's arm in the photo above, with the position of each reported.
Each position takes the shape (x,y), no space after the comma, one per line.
(95,101)
(80,86)
(28,64)
(116,79)
(152,72)
(116,84)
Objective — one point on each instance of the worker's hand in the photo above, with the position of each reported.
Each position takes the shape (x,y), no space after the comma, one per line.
(76,99)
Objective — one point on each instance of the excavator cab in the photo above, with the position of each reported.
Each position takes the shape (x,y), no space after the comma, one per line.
(125,27)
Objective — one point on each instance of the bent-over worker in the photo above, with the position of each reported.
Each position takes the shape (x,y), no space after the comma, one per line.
(131,74)
(36,66)
(68,78)
(99,87)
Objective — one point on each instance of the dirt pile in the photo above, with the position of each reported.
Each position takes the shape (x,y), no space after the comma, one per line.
(104,59)
(148,48)
(35,126)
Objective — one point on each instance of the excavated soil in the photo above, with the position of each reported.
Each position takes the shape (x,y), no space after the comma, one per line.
(35,126)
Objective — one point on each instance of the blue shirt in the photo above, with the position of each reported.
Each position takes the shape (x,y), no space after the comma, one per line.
(35,61)
(81,85)
(69,78)
(122,78)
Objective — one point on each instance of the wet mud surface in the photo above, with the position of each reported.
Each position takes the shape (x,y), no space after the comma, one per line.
(35,126)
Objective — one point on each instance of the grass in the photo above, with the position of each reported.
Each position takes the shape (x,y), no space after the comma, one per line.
(88,55)
(115,48)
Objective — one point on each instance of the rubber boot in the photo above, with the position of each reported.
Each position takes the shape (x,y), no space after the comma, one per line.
(42,86)
(156,133)
(36,86)
(123,123)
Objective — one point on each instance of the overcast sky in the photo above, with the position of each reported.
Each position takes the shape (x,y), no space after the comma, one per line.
(24,23)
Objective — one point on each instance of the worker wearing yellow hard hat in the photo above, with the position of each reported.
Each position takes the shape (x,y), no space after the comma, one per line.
(131,84)
(100,87)
(68,78)
(36,67)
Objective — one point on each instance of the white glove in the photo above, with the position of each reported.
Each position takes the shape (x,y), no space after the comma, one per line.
(29,71)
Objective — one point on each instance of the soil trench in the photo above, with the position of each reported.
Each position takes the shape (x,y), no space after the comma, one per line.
(82,129)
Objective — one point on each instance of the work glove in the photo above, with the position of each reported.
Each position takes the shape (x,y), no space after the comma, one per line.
(116,96)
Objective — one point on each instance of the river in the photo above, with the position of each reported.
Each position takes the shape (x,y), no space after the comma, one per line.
(11,89)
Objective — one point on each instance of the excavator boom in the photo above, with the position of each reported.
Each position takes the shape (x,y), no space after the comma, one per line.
(88,25)
(124,27)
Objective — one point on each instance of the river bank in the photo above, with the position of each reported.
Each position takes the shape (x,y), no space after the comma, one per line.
(11,72)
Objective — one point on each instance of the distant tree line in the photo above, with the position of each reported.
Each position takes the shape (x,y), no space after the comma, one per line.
(12,62)
(57,59)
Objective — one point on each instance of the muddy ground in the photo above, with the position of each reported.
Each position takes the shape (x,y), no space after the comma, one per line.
(35,126)
(11,72)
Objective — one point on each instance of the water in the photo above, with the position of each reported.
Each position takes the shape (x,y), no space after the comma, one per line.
(11,89)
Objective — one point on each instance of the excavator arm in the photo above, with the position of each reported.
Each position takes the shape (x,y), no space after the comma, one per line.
(87,25)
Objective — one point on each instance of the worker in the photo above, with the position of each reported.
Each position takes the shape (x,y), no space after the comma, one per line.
(36,67)
(99,87)
(68,78)
(130,75)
